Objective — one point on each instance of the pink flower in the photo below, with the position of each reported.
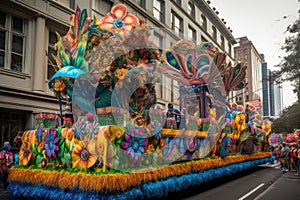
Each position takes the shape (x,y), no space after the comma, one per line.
(118,20)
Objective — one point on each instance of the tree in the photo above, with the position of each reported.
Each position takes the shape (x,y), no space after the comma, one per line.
(288,120)
(290,64)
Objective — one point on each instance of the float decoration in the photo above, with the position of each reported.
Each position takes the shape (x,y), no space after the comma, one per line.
(119,144)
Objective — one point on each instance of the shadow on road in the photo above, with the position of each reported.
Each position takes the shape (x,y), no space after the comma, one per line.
(194,190)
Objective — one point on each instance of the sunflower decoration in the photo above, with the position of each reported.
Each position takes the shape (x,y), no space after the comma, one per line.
(25,153)
(84,155)
(240,123)
(59,87)
(28,136)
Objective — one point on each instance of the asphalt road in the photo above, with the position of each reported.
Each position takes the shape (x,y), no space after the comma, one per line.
(261,183)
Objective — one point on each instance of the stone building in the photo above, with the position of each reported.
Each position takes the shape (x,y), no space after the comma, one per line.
(27,37)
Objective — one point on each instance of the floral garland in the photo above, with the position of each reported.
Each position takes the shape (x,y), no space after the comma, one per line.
(122,181)
(108,110)
(42,183)
(45,116)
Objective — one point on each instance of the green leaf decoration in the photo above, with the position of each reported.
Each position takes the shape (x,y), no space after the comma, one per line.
(60,153)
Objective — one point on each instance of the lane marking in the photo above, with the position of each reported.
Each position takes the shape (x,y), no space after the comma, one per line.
(252,191)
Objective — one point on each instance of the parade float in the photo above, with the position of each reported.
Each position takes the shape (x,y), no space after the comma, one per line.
(121,145)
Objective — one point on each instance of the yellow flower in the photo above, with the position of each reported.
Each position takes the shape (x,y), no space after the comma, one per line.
(84,156)
(240,123)
(58,86)
(25,153)
(121,73)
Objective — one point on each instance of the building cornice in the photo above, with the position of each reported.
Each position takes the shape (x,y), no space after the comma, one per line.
(149,17)
(27,94)
(46,14)
(206,9)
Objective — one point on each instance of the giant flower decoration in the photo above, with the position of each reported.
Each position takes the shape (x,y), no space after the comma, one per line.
(51,143)
(118,20)
(134,147)
(240,122)
(84,156)
(25,154)
(39,134)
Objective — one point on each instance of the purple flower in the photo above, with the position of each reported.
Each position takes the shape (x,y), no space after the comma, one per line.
(135,131)
(134,147)
(50,146)
(39,133)
(44,162)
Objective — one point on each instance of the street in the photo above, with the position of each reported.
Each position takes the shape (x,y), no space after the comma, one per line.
(264,182)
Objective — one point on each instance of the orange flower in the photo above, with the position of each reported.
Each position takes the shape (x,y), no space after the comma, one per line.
(50,116)
(25,154)
(121,73)
(118,20)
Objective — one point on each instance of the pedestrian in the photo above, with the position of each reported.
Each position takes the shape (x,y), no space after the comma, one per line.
(9,156)
(277,152)
(285,157)
(6,160)
(298,160)
(174,113)
(3,171)
(293,156)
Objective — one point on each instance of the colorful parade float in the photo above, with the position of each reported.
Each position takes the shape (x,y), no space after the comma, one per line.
(121,145)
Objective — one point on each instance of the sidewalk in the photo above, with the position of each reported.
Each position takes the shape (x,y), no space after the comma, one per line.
(286,187)
(4,195)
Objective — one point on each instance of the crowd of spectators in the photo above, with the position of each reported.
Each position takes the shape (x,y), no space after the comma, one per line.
(288,155)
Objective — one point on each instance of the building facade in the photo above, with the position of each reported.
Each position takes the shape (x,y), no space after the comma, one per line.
(272,91)
(246,52)
(265,87)
(27,38)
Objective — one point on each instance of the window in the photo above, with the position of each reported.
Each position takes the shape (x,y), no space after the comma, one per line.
(103,6)
(11,122)
(142,3)
(72,4)
(191,9)
(222,42)
(214,33)
(51,62)
(203,39)
(191,33)
(178,2)
(158,10)
(69,3)
(245,55)
(158,40)
(229,48)
(176,22)
(52,39)
(12,38)
(203,22)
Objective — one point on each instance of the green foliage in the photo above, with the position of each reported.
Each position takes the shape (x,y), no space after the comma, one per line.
(288,120)
(290,64)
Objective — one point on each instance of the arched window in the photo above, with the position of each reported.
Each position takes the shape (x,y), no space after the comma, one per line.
(214,33)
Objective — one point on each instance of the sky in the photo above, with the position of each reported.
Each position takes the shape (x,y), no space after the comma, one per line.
(264,22)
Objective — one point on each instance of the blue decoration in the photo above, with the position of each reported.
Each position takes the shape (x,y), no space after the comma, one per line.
(156,189)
